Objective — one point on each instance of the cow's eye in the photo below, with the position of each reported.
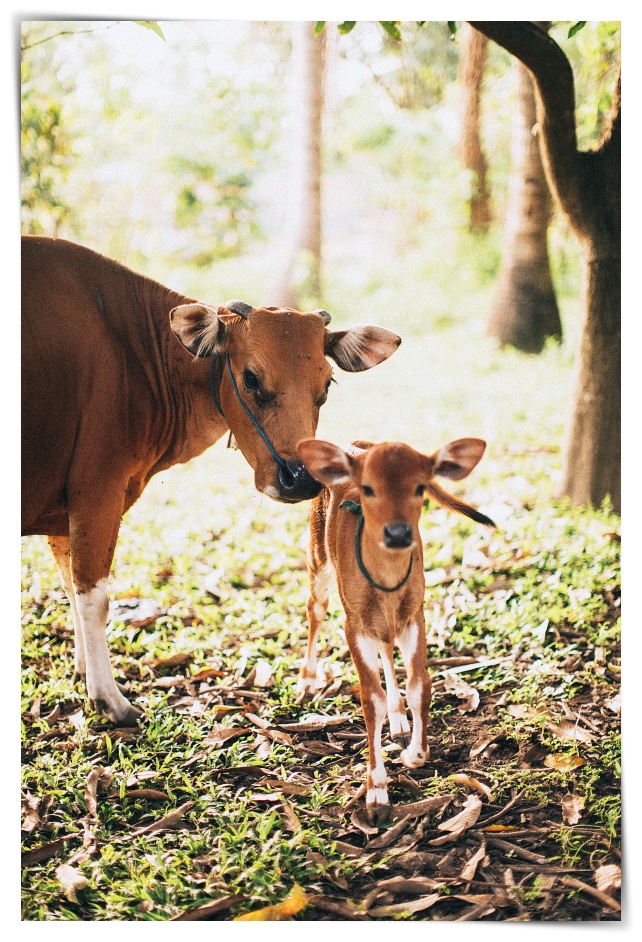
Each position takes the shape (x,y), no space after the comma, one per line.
(367,490)
(250,380)
(420,490)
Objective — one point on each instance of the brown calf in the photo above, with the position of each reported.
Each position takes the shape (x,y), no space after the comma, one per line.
(121,378)
(364,524)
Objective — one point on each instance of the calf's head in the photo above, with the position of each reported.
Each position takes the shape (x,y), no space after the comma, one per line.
(277,359)
(393,481)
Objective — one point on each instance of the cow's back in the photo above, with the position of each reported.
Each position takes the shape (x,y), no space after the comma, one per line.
(70,364)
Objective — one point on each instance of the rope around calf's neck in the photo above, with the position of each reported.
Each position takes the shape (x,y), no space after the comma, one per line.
(355,508)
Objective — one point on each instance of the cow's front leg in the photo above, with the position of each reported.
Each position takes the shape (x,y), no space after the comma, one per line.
(60,549)
(92,532)
(412,642)
(399,725)
(317,606)
(365,650)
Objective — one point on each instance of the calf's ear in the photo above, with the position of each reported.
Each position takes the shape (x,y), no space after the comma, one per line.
(327,463)
(457,459)
(359,348)
(199,327)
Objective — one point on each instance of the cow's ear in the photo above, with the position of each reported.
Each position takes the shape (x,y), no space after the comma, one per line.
(327,463)
(457,459)
(359,348)
(199,327)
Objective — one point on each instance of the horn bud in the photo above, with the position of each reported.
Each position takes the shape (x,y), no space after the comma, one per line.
(239,307)
(324,314)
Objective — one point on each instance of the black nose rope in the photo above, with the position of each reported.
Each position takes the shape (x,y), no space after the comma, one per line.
(285,471)
(356,508)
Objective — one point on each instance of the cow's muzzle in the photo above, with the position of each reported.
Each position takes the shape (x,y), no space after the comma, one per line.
(295,483)
(397,535)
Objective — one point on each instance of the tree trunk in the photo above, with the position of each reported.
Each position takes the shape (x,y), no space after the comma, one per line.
(300,274)
(524,309)
(592,449)
(587,186)
(471,73)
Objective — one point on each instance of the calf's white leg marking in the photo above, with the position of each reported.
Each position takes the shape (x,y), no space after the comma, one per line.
(93,606)
(377,792)
(399,725)
(414,755)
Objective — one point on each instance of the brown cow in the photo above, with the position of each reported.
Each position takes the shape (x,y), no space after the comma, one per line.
(123,377)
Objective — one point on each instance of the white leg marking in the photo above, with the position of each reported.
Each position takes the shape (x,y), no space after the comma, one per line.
(376,793)
(92,608)
(399,725)
(414,755)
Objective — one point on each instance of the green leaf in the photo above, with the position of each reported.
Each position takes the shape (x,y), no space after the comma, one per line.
(347,26)
(576,27)
(318,26)
(153,25)
(391,28)
(452,26)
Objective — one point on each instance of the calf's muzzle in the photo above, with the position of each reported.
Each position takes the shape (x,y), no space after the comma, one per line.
(397,535)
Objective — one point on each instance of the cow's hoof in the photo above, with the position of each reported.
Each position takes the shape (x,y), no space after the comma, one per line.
(401,739)
(129,717)
(79,677)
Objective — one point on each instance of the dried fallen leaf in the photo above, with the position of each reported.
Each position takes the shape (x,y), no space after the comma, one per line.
(36,810)
(470,867)
(563,763)
(294,902)
(572,806)
(456,825)
(98,779)
(71,880)
(166,823)
(219,735)
(417,809)
(313,722)
(135,612)
(411,906)
(615,703)
(146,794)
(263,676)
(463,691)
(292,822)
(46,851)
(208,909)
(567,729)
(608,877)
(480,746)
(471,782)
(181,659)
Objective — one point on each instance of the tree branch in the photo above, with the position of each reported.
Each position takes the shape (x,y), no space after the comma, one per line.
(553,77)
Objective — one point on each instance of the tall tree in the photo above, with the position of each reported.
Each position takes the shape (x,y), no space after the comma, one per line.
(524,309)
(587,187)
(474,51)
(303,248)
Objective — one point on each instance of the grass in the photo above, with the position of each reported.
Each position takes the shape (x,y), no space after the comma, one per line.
(226,568)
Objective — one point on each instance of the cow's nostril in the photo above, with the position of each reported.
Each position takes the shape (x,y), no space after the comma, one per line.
(295,482)
(286,477)
(397,535)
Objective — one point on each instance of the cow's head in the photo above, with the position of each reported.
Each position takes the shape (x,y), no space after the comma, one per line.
(278,361)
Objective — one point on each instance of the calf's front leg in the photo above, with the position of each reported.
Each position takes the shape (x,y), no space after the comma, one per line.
(365,650)
(317,607)
(412,642)
(62,554)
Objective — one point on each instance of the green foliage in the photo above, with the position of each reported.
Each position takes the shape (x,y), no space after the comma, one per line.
(576,27)
(153,25)
(46,158)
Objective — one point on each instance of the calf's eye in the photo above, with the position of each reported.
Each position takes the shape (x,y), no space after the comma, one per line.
(367,490)
(420,490)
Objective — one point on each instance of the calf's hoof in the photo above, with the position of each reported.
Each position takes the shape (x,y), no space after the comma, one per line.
(415,758)
(79,676)
(377,814)
(306,686)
